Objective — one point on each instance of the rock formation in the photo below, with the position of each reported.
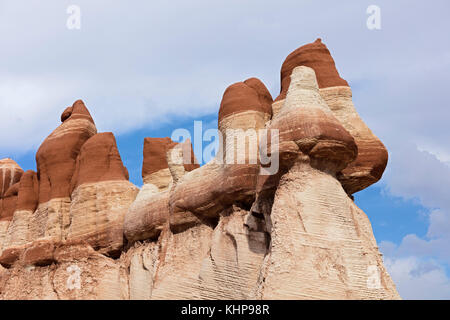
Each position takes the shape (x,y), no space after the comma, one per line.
(56,160)
(10,174)
(270,217)
(312,217)
(372,157)
(100,195)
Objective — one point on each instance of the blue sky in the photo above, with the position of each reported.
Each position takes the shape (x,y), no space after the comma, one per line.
(146,68)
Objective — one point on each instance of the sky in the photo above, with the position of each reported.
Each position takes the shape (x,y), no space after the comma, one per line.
(145,68)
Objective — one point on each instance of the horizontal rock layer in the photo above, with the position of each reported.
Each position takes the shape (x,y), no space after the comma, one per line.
(372,157)
(231,229)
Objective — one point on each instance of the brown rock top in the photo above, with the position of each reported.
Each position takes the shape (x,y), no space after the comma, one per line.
(99,160)
(251,94)
(155,155)
(28,193)
(306,120)
(316,56)
(57,155)
(155,150)
(9,202)
(10,173)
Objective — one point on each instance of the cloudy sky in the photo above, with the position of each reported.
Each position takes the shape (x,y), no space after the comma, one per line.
(144,68)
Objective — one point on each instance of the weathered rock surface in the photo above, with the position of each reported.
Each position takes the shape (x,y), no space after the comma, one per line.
(316,232)
(372,157)
(56,160)
(9,202)
(306,120)
(223,261)
(89,209)
(244,110)
(57,155)
(155,169)
(149,214)
(18,232)
(231,229)
(10,174)
(78,272)
(231,177)
(101,194)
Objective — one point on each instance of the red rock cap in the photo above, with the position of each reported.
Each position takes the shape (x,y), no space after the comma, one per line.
(10,173)
(306,120)
(9,203)
(155,155)
(316,56)
(99,160)
(57,155)
(28,194)
(239,97)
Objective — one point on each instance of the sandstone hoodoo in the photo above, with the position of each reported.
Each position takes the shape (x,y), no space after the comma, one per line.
(149,213)
(230,229)
(19,232)
(57,155)
(100,195)
(10,174)
(372,157)
(314,230)
(28,195)
(316,56)
(245,108)
(155,168)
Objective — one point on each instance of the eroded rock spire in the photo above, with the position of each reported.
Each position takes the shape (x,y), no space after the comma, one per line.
(225,230)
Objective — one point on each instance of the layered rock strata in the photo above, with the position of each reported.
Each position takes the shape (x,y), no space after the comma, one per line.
(230,229)
(316,232)
(79,195)
(18,233)
(372,157)
(10,174)
(149,214)
(56,160)
(101,194)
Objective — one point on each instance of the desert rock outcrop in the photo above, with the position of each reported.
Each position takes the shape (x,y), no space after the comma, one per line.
(79,195)
(56,159)
(315,232)
(101,194)
(149,214)
(18,233)
(10,174)
(230,229)
(372,157)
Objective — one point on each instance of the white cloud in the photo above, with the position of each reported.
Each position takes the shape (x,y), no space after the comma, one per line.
(415,174)
(416,279)
(137,63)
(420,175)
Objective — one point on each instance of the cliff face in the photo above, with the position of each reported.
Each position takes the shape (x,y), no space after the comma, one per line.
(231,229)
